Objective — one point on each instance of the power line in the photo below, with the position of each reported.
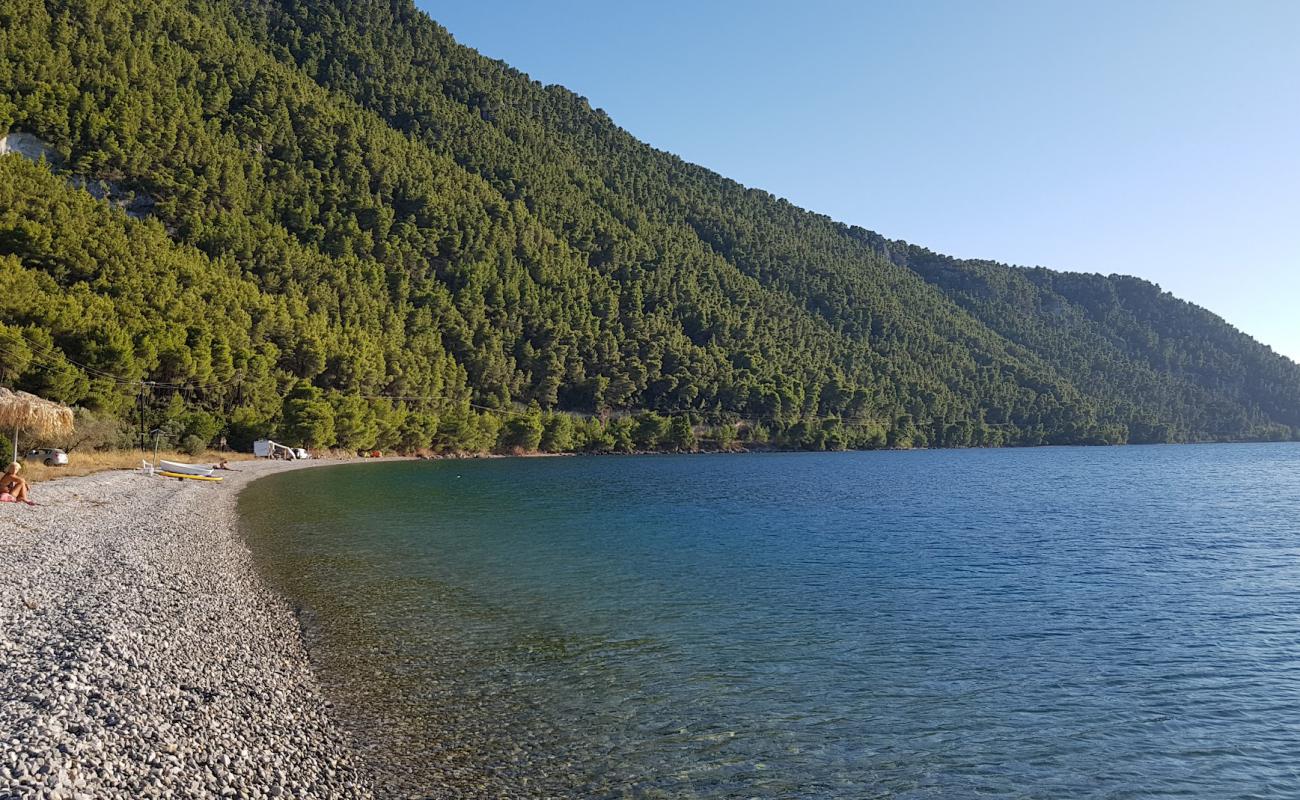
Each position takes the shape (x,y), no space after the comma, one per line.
(54,357)
(50,359)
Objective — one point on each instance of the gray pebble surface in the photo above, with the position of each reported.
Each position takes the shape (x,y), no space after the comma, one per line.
(141,655)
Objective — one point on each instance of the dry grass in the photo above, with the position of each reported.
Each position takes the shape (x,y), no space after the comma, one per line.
(80,463)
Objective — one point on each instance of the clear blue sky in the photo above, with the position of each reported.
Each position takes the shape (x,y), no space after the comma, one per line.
(1152,138)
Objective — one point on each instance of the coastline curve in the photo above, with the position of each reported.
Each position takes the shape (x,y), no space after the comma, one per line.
(145,655)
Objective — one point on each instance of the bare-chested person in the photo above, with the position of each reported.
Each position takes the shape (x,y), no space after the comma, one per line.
(14,489)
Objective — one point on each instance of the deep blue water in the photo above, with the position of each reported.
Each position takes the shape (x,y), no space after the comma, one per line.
(1045,623)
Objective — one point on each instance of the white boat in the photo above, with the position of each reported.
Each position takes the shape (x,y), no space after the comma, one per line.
(185,469)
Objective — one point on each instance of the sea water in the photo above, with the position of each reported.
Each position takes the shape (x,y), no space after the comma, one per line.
(1037,623)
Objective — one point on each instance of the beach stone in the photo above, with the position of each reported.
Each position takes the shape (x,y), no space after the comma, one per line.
(143,656)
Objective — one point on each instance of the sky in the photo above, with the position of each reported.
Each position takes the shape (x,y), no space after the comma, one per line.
(1159,139)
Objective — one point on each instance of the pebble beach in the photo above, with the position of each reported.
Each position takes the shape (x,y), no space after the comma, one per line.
(142,656)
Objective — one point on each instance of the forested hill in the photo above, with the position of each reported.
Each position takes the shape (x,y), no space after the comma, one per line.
(328,221)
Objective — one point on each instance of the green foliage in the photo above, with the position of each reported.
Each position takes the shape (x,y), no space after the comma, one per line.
(193,445)
(621,432)
(457,432)
(201,425)
(651,430)
(246,426)
(332,221)
(308,419)
(521,432)
(866,436)
(355,425)
(594,437)
(557,434)
(681,435)
(723,436)
(467,432)
(904,435)
(93,430)
(418,431)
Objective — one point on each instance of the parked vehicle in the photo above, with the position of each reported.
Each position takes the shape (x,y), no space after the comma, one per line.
(265,448)
(49,456)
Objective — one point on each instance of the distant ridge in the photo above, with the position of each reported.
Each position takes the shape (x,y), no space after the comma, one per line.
(363,232)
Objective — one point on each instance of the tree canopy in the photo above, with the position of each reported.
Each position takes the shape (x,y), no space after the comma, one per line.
(330,221)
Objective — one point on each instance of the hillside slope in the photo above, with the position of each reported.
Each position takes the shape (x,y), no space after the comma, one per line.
(418,234)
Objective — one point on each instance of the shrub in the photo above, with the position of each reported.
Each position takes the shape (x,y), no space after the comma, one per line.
(651,430)
(193,446)
(557,433)
(620,430)
(521,433)
(594,436)
(246,426)
(95,431)
(417,431)
(681,436)
(200,423)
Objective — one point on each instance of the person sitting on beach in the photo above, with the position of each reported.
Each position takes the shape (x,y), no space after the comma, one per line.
(223,465)
(14,489)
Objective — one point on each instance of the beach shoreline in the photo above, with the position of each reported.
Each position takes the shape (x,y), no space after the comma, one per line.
(142,654)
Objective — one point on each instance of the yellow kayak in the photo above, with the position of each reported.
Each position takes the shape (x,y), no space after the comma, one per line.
(180,476)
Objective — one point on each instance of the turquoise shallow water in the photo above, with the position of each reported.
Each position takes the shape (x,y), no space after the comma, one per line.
(1058,622)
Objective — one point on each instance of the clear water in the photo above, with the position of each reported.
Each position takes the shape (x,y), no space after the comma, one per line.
(1047,623)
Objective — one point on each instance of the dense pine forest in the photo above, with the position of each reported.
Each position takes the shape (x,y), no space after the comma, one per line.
(326,221)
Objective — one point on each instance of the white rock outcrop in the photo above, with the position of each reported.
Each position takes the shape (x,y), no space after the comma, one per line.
(28,146)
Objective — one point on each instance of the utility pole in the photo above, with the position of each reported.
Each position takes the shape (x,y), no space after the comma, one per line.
(142,450)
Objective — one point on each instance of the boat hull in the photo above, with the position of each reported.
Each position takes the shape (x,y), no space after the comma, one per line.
(184,469)
(185,477)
